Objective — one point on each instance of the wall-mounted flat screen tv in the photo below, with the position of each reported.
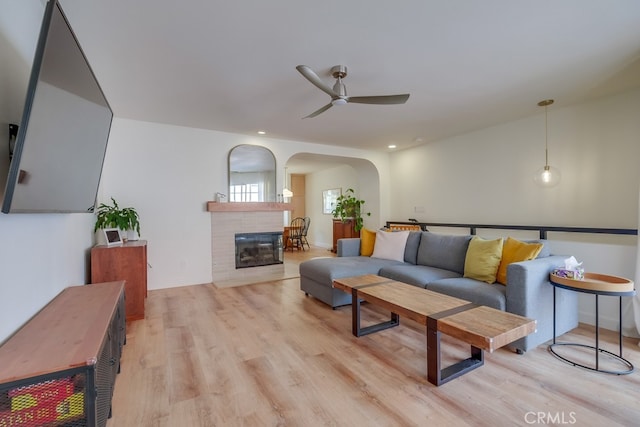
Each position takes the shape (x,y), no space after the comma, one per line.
(62,138)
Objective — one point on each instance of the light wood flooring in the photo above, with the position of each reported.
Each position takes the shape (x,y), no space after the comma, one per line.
(267,355)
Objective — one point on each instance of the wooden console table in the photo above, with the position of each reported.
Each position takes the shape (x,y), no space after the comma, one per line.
(60,367)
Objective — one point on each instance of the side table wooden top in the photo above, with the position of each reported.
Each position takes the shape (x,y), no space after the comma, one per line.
(595,282)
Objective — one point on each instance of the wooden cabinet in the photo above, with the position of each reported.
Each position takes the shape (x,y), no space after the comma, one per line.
(129,263)
(343,230)
(60,367)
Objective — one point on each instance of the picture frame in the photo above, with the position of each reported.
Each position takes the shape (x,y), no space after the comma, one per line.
(112,237)
(329,199)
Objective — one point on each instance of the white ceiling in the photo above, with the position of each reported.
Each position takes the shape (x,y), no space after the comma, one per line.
(230,65)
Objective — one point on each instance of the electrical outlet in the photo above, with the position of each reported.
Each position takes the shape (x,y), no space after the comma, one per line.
(418,209)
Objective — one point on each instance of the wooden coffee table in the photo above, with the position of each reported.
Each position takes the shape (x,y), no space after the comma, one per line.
(484,328)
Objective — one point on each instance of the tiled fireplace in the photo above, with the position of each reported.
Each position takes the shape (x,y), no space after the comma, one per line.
(229,219)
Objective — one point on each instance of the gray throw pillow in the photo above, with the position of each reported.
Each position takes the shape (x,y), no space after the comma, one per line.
(443,251)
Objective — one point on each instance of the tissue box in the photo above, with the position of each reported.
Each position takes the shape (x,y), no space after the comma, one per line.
(569,274)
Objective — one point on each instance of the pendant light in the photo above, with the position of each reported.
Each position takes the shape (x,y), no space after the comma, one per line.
(286,193)
(547,176)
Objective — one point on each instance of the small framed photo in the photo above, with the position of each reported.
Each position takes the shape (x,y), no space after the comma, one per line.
(329,198)
(112,237)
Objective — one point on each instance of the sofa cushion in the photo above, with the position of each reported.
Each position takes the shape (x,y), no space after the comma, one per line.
(481,293)
(411,249)
(516,251)
(367,241)
(325,270)
(483,258)
(418,275)
(443,251)
(390,245)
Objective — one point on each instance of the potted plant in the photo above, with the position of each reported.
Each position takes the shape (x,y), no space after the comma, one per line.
(113,216)
(348,206)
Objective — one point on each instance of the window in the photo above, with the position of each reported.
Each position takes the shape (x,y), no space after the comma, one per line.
(244,193)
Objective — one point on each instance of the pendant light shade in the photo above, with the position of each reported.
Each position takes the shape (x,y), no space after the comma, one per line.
(547,176)
(286,192)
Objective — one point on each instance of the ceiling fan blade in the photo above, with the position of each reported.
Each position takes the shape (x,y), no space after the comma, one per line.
(384,99)
(319,111)
(310,75)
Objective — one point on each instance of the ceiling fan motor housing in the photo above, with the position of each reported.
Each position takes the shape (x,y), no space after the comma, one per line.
(339,71)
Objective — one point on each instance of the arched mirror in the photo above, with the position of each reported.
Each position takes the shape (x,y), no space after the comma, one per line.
(252,174)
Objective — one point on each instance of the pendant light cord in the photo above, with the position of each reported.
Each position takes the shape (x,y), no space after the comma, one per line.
(545,104)
(546,138)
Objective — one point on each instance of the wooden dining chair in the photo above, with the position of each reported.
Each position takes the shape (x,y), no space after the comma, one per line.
(305,230)
(295,234)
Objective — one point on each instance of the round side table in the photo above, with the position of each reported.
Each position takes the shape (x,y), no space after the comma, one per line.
(596,284)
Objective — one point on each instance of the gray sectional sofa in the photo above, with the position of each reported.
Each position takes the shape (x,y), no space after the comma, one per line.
(436,262)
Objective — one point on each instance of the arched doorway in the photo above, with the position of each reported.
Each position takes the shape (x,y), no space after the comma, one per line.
(323,172)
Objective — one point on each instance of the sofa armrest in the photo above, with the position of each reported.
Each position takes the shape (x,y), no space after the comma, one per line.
(530,294)
(349,246)
(528,282)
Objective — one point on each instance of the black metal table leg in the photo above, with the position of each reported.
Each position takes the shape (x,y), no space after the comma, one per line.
(554,314)
(620,324)
(435,373)
(356,329)
(598,337)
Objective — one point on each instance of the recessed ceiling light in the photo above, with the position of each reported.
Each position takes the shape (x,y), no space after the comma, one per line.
(391,146)
(261,132)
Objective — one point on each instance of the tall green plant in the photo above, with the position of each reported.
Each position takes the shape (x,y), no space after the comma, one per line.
(348,206)
(112,216)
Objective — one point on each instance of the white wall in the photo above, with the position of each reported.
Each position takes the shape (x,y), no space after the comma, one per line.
(602,254)
(485,177)
(168,173)
(321,229)
(39,256)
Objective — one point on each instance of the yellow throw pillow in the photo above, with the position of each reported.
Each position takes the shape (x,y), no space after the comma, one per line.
(367,242)
(516,251)
(483,258)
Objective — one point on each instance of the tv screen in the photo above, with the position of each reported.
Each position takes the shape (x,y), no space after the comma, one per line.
(62,138)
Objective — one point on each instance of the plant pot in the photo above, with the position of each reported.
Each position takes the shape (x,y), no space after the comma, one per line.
(131,235)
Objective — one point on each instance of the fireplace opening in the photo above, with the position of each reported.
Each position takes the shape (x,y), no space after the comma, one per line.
(258,249)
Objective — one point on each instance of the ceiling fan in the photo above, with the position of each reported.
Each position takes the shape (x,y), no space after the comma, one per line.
(338,93)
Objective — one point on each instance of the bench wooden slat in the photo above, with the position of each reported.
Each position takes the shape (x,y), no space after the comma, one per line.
(486,328)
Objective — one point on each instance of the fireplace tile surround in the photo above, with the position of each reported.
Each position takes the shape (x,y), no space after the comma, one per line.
(227,219)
